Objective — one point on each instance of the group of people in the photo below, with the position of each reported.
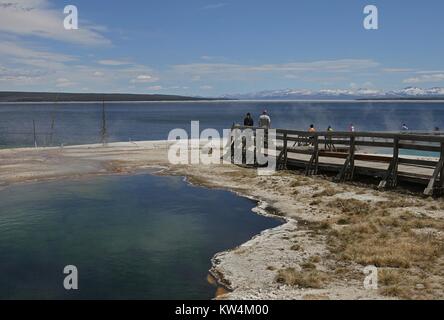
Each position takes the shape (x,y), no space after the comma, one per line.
(264,120)
(351,128)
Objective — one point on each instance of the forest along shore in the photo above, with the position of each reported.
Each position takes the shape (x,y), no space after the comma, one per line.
(332,231)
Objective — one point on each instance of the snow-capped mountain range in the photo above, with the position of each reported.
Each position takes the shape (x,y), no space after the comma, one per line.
(347,94)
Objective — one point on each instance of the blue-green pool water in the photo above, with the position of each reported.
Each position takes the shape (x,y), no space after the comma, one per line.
(131,237)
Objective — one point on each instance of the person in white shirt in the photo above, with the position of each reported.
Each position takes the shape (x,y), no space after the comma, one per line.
(352,128)
(265,120)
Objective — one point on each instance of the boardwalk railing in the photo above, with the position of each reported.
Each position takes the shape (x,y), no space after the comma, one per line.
(315,151)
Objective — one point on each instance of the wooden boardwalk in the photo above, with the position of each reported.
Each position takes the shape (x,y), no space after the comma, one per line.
(372,154)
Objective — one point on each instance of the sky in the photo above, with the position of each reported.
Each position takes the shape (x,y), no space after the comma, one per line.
(214,48)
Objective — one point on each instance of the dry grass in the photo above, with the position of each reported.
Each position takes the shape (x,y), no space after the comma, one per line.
(384,242)
(297,183)
(398,203)
(315,203)
(308,266)
(389,277)
(327,192)
(303,279)
(387,236)
(351,206)
(405,284)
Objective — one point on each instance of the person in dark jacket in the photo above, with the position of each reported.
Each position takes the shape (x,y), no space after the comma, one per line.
(248,121)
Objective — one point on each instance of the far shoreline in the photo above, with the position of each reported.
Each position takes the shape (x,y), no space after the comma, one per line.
(222,101)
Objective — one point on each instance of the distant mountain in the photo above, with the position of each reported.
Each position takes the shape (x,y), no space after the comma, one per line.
(84,97)
(418,92)
(342,94)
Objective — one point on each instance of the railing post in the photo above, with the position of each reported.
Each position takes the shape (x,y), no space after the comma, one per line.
(35,134)
(391,177)
(352,156)
(285,150)
(348,169)
(282,158)
(313,165)
(316,155)
(439,172)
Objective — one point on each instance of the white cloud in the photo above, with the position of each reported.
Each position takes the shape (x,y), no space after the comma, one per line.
(155,88)
(115,63)
(344,65)
(206,87)
(397,70)
(212,58)
(64,83)
(144,78)
(17,79)
(38,18)
(33,57)
(429,71)
(425,78)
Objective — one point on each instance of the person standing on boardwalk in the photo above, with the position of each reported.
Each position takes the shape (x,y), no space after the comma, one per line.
(352,128)
(312,129)
(248,121)
(265,120)
(328,139)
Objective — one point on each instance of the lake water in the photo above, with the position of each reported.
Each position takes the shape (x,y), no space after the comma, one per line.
(131,237)
(68,123)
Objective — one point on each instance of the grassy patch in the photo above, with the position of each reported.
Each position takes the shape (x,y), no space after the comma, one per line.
(308,266)
(327,192)
(303,279)
(351,206)
(297,183)
(398,203)
(392,241)
(370,244)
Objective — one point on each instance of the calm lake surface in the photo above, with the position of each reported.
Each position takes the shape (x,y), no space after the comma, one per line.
(68,123)
(131,237)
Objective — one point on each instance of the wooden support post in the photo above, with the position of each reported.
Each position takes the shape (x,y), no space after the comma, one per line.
(313,164)
(438,173)
(35,134)
(316,155)
(347,171)
(104,129)
(441,174)
(352,158)
(391,178)
(282,158)
(286,151)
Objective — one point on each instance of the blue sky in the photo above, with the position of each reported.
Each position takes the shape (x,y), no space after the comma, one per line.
(212,48)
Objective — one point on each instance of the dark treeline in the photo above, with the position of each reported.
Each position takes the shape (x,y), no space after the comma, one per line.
(86,97)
